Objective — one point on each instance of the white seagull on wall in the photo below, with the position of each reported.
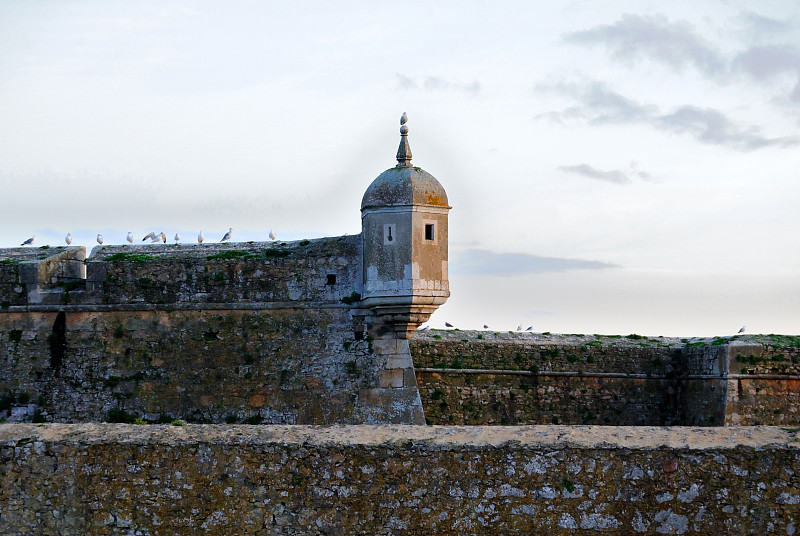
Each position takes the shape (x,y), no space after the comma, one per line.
(99,239)
(149,235)
(227,235)
(129,238)
(200,237)
(68,238)
(29,242)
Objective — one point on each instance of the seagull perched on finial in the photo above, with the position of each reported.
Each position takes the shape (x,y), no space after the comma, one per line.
(163,237)
(741,330)
(272,235)
(200,237)
(129,238)
(68,239)
(227,235)
(29,242)
(149,235)
(99,239)
(404,118)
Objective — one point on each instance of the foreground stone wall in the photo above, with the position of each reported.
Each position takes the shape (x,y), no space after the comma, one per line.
(469,377)
(211,479)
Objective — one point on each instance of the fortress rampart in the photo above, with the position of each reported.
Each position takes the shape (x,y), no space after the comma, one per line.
(276,333)
(251,332)
(524,378)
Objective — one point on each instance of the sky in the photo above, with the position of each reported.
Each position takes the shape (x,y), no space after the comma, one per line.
(613,167)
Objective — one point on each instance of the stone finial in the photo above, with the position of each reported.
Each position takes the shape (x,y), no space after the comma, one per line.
(404,151)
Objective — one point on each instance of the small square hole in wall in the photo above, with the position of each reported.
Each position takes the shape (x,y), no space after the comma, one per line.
(429,234)
(331,279)
(359,334)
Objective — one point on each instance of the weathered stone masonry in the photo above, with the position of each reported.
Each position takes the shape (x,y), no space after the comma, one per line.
(469,377)
(211,479)
(222,333)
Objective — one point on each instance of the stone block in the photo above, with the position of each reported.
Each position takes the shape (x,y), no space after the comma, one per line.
(399,362)
(29,273)
(96,271)
(386,345)
(390,378)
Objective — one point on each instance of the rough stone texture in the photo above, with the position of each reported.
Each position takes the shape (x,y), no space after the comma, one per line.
(39,275)
(226,273)
(468,377)
(248,332)
(458,397)
(211,479)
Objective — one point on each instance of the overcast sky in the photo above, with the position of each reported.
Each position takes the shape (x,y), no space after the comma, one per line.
(613,167)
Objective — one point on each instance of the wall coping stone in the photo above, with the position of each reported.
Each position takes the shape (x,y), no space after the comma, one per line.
(411,436)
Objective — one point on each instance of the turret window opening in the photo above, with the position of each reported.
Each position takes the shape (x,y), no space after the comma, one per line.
(429,232)
(389,234)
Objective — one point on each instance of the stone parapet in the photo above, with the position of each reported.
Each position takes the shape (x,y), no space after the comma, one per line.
(559,480)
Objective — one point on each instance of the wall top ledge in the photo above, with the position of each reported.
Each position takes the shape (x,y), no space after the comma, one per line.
(407,436)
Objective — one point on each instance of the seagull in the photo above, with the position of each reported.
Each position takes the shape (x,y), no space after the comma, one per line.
(156,238)
(404,118)
(741,330)
(163,237)
(423,328)
(519,328)
(129,238)
(448,324)
(149,235)
(272,235)
(177,238)
(68,239)
(485,326)
(99,239)
(529,328)
(227,235)
(200,237)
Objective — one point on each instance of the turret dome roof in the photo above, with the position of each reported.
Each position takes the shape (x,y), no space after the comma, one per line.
(402,186)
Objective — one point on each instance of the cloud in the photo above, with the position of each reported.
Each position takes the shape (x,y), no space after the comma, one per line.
(711,126)
(760,25)
(678,44)
(404,82)
(598,104)
(615,176)
(485,262)
(436,83)
(764,62)
(633,37)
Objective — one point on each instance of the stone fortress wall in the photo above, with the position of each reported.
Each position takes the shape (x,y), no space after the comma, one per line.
(469,377)
(394,480)
(253,332)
